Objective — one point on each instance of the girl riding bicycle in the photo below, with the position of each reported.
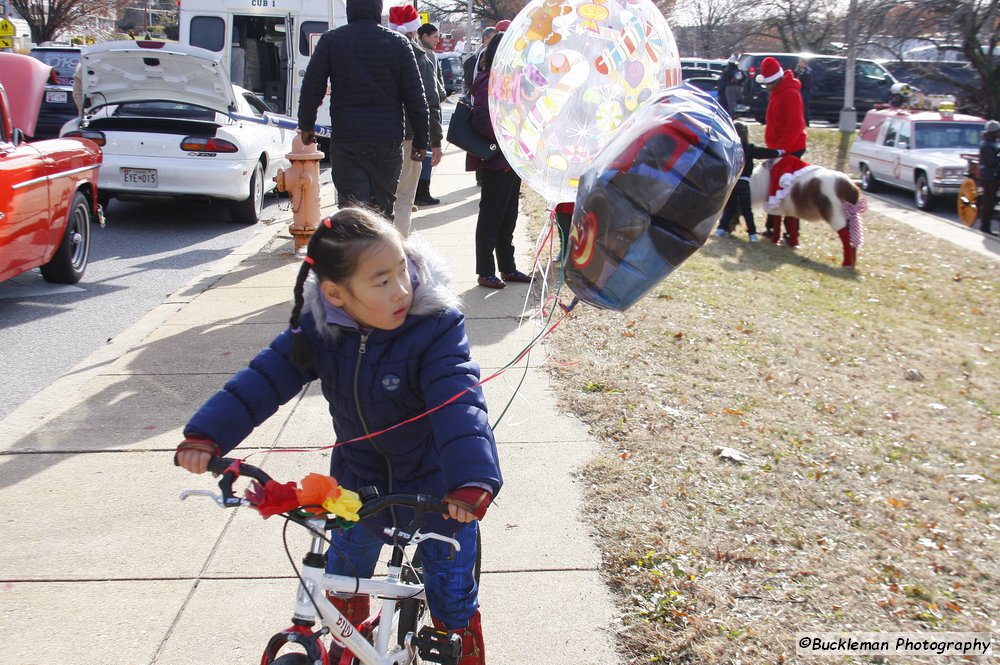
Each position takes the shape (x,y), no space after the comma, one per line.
(375,321)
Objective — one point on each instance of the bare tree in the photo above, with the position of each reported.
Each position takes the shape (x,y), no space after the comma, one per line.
(801,25)
(968,28)
(713,28)
(48,18)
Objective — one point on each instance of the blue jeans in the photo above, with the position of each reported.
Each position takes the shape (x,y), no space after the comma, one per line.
(366,173)
(449,579)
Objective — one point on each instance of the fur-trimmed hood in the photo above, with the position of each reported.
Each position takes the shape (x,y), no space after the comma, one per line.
(430,277)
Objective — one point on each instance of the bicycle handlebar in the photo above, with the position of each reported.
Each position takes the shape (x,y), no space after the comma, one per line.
(231,469)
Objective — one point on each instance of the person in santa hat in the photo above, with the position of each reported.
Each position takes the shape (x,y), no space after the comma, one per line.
(404,19)
(785,130)
(373,82)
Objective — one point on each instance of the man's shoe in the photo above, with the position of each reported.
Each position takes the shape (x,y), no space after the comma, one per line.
(516,276)
(721,232)
(752,237)
(426,200)
(491,282)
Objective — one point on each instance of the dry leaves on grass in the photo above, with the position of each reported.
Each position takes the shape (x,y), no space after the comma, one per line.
(866,406)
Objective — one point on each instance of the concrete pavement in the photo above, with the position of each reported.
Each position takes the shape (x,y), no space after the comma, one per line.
(103,564)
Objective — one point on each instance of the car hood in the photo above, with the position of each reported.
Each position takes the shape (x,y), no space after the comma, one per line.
(128,71)
(951,157)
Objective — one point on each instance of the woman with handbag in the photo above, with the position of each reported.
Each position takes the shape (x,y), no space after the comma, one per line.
(501,188)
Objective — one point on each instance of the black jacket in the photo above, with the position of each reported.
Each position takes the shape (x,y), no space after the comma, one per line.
(752,152)
(989,159)
(373,76)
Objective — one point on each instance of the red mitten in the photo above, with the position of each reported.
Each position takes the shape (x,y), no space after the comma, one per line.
(202,443)
(474,499)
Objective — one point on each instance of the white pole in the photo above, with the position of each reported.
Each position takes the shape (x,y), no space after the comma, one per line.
(468,30)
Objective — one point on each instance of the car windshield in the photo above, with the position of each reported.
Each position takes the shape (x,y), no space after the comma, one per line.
(947,135)
(63,61)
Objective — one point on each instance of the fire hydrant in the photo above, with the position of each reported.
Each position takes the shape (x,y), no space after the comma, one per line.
(301,181)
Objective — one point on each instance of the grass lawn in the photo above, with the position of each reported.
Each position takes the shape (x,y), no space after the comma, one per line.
(865,405)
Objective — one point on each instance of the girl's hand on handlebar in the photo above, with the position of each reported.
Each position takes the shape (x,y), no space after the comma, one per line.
(468,503)
(194,453)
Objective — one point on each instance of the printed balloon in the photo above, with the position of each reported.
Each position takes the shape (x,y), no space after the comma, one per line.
(567,75)
(652,197)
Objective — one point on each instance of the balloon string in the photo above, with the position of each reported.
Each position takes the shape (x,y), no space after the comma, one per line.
(523,353)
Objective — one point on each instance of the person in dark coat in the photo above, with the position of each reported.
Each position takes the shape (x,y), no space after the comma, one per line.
(989,172)
(501,189)
(471,63)
(375,322)
(373,79)
(739,201)
(730,86)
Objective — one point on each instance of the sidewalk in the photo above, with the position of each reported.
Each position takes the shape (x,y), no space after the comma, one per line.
(103,564)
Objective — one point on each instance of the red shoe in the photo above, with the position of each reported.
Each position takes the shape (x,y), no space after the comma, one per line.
(491,282)
(473,649)
(516,276)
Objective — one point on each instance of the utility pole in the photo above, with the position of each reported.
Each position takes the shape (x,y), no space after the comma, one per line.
(848,114)
(468,30)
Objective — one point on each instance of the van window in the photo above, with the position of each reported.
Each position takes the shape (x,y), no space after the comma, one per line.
(890,134)
(307,28)
(208,32)
(870,70)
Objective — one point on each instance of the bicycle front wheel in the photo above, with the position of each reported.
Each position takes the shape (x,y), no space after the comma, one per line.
(292,659)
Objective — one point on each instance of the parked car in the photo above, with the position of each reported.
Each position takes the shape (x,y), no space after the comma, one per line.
(872,83)
(703,63)
(57,107)
(705,83)
(916,150)
(936,77)
(163,114)
(48,188)
(452,72)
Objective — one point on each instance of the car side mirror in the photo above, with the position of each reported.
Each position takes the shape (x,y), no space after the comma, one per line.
(903,145)
(16,136)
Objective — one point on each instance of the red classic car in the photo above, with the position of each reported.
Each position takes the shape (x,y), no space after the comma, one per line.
(48,189)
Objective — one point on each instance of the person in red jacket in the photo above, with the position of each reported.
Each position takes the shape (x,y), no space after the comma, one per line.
(785,130)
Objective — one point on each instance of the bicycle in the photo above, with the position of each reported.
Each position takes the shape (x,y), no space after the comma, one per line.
(405,642)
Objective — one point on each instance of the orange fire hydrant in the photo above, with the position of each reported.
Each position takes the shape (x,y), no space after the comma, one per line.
(301,181)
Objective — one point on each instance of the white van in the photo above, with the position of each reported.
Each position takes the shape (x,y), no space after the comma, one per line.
(267,43)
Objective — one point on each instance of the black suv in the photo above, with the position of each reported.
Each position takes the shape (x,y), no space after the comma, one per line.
(58,106)
(451,71)
(871,84)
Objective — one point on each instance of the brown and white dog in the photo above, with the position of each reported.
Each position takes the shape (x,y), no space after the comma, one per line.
(811,192)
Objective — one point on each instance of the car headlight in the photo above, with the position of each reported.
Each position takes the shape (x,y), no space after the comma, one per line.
(952,172)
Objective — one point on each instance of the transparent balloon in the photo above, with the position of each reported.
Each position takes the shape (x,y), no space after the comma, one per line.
(567,75)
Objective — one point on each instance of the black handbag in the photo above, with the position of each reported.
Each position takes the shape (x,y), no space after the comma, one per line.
(462,134)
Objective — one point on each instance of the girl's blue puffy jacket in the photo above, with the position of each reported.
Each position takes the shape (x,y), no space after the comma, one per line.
(373,381)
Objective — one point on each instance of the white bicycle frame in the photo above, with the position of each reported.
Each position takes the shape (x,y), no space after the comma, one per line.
(309,596)
(390,590)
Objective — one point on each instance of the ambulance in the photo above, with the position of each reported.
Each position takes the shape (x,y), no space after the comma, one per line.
(267,43)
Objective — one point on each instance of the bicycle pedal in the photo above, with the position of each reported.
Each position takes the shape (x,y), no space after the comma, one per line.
(439,646)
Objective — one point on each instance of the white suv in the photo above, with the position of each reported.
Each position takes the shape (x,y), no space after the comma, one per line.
(916,150)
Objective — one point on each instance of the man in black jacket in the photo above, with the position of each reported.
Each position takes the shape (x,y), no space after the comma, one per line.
(373,79)
(989,172)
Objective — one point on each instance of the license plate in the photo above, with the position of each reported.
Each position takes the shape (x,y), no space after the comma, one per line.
(139,177)
(55,97)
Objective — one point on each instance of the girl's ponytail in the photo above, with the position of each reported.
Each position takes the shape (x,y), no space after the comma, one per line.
(302,355)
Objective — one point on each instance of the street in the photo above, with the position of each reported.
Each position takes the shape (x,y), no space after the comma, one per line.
(146,252)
